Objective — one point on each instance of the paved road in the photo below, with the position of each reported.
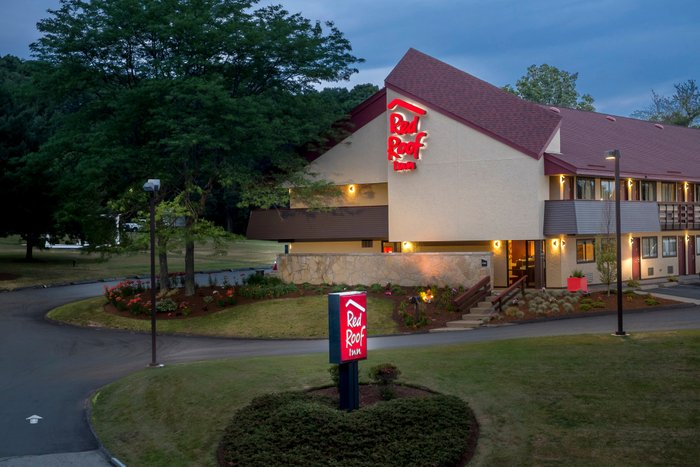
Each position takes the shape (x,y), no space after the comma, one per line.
(50,370)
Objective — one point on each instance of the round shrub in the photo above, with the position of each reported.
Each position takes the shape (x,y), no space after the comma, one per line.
(297,428)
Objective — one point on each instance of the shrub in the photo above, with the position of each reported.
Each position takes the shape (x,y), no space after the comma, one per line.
(384,373)
(585,307)
(376,288)
(334,372)
(123,296)
(633,283)
(302,429)
(567,308)
(651,301)
(413,314)
(166,305)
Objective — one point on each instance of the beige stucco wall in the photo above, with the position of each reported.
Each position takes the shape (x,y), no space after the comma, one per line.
(334,247)
(359,158)
(467,186)
(366,194)
(408,269)
(561,260)
(554,146)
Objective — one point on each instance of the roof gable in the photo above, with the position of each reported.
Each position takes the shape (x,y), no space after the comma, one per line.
(476,103)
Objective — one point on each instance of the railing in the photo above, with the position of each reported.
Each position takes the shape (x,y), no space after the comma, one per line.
(679,216)
(474,295)
(509,293)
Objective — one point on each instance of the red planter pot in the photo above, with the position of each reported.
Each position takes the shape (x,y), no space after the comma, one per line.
(574,284)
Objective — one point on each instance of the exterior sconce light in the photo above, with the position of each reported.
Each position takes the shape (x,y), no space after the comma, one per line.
(562,179)
(563,243)
(687,238)
(630,183)
(685,185)
(555,243)
(497,244)
(351,189)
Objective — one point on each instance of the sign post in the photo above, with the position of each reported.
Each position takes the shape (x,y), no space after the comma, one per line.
(347,341)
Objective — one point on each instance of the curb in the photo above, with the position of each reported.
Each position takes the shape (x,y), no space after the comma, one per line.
(100,447)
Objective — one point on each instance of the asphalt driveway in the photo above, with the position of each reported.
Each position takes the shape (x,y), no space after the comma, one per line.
(50,370)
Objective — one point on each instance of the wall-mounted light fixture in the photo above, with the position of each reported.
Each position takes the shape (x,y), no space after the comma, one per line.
(563,243)
(555,243)
(630,183)
(685,185)
(497,244)
(562,179)
(351,189)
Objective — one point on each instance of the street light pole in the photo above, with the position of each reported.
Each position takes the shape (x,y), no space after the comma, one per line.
(615,154)
(152,186)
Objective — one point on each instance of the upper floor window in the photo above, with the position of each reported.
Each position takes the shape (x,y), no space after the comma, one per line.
(668,192)
(648,191)
(585,188)
(607,189)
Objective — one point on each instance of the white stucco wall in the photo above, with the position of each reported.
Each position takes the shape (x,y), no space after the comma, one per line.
(467,186)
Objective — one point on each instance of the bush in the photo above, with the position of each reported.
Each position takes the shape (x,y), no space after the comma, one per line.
(166,305)
(301,429)
(651,301)
(376,288)
(384,373)
(334,371)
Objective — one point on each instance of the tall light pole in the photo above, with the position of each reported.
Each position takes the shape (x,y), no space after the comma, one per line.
(152,186)
(609,155)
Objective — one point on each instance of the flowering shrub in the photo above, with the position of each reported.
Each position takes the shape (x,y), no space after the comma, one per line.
(227,298)
(124,296)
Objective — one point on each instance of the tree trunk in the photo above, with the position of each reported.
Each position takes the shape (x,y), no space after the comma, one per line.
(29,252)
(163,270)
(189,258)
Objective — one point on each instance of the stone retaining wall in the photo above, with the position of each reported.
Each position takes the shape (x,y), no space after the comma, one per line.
(408,269)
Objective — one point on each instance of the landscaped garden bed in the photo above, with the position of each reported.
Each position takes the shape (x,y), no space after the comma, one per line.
(414,308)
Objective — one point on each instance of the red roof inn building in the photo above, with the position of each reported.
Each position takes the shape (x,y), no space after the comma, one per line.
(447,179)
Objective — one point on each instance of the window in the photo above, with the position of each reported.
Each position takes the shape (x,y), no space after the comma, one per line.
(669,247)
(650,247)
(585,188)
(696,186)
(668,192)
(367,243)
(607,189)
(648,191)
(697,244)
(585,250)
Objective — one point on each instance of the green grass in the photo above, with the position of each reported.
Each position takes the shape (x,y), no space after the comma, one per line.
(301,317)
(582,400)
(61,266)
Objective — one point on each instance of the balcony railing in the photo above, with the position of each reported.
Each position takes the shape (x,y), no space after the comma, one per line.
(679,216)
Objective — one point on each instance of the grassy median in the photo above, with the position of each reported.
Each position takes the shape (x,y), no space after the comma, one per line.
(301,317)
(581,400)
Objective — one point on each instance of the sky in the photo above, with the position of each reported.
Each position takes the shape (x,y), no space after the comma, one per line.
(621,49)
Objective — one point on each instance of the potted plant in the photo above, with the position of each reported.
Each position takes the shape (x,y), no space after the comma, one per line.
(577,282)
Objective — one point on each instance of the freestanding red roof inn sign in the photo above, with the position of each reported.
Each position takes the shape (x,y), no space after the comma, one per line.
(347,326)
(405,138)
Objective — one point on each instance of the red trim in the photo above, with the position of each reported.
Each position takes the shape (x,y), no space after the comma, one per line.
(402,103)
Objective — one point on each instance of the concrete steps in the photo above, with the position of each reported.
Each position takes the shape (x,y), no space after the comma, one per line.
(476,317)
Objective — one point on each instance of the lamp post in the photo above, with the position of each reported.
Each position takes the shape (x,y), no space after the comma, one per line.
(152,186)
(609,155)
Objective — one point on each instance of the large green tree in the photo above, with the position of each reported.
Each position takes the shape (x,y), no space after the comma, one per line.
(682,108)
(548,85)
(202,94)
(25,184)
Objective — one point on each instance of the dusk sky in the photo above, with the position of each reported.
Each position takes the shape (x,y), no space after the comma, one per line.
(622,49)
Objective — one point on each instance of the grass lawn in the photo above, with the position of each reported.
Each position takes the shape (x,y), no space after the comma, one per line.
(581,400)
(300,317)
(60,266)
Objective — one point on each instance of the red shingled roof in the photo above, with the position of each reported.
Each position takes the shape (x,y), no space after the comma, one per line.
(661,152)
(476,103)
